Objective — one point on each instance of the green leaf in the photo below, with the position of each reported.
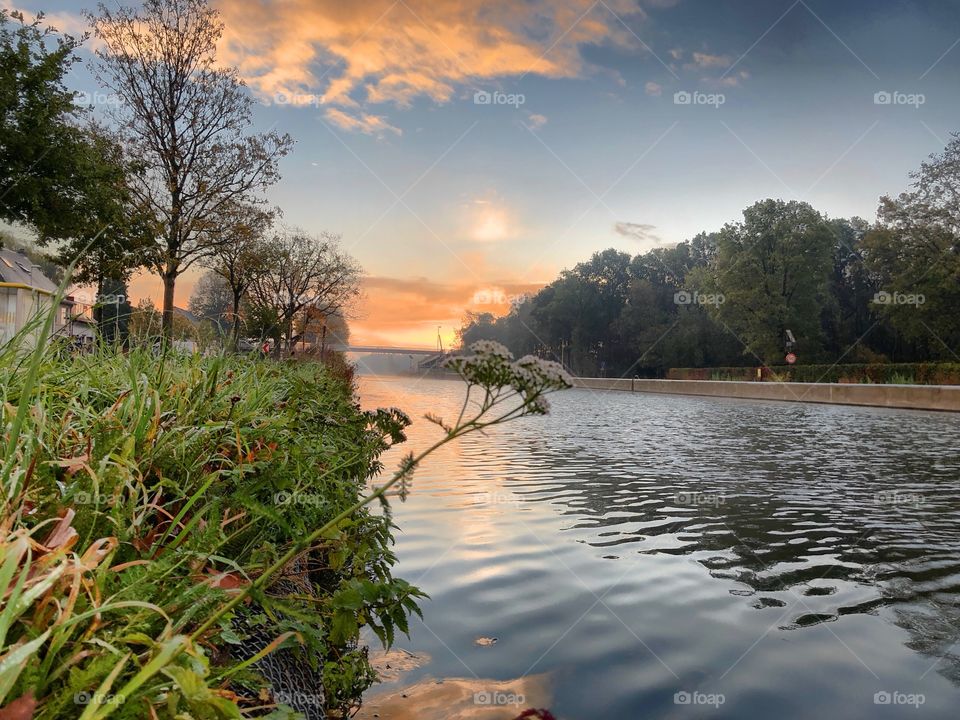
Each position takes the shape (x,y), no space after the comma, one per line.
(15,660)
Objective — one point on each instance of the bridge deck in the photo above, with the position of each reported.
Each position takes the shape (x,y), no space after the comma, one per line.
(383,350)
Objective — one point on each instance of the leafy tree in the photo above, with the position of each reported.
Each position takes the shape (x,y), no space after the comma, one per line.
(848,322)
(476,326)
(576,315)
(59,176)
(302,271)
(515,330)
(262,320)
(666,266)
(648,316)
(112,232)
(187,119)
(660,330)
(772,272)
(39,143)
(113,311)
(915,254)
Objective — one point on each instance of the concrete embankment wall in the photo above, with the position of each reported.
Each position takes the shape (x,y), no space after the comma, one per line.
(916,397)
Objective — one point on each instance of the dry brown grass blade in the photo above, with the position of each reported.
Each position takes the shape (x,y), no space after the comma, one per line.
(73,465)
(116,404)
(63,534)
(97,551)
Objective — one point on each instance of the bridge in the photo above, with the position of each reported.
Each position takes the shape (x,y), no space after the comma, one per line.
(429,359)
(384,350)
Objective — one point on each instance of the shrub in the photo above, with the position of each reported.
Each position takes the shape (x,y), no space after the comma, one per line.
(182,535)
(142,489)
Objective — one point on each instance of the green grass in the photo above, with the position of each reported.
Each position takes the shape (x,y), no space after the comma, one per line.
(141,490)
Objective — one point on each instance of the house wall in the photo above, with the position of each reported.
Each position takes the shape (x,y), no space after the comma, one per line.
(29,304)
(19,306)
(8,313)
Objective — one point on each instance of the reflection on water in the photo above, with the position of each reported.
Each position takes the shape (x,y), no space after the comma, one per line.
(454,698)
(792,559)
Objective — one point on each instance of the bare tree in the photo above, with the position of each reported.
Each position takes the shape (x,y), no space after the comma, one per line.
(211,300)
(240,256)
(304,272)
(187,120)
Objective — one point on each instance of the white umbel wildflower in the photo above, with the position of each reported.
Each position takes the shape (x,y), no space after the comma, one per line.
(491,348)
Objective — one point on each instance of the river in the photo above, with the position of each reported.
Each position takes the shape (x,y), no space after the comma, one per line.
(652,556)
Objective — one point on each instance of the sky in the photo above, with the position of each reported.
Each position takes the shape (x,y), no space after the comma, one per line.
(468,151)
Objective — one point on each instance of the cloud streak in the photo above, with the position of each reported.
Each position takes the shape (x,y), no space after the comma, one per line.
(363,122)
(640,232)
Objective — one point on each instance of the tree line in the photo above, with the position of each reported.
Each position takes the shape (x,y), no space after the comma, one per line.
(786,279)
(171,176)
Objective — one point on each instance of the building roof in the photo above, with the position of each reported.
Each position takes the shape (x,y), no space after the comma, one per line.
(18,268)
(186,314)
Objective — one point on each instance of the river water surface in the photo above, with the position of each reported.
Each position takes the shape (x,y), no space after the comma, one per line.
(654,556)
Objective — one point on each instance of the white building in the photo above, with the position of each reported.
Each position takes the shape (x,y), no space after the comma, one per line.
(26,292)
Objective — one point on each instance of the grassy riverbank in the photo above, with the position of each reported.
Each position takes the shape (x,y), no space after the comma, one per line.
(141,491)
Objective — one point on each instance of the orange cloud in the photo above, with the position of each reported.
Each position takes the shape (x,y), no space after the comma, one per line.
(384,51)
(536,121)
(369,124)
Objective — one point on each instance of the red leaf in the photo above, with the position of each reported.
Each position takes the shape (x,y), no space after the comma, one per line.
(20,709)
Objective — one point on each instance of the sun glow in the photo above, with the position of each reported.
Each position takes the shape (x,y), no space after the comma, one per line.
(492,225)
